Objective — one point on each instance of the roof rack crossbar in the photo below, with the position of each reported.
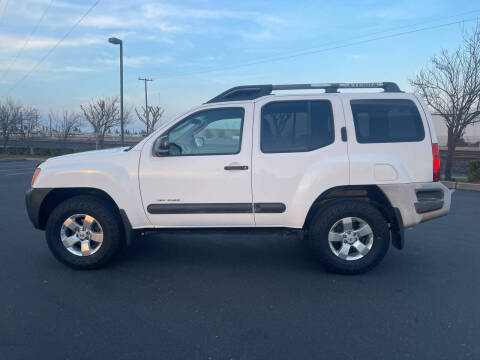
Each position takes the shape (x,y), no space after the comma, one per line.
(251,92)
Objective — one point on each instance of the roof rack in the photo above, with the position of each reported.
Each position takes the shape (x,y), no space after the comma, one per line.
(250,92)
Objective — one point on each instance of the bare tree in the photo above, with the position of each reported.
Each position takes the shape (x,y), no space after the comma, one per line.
(28,125)
(450,85)
(155,114)
(53,119)
(66,124)
(103,114)
(10,115)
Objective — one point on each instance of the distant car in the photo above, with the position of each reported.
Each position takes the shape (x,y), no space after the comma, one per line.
(349,170)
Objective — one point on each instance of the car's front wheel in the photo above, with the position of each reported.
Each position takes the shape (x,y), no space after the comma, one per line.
(84,232)
(349,236)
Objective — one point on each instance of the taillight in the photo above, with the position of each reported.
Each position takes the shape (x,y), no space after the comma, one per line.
(436,162)
(35,174)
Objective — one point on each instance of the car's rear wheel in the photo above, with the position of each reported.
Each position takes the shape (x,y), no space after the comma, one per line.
(84,232)
(349,236)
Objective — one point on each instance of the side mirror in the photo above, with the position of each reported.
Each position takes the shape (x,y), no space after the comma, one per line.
(162,146)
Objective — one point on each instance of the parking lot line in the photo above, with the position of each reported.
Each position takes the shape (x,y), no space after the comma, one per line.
(19,173)
(17,168)
(8,164)
(15,171)
(26,162)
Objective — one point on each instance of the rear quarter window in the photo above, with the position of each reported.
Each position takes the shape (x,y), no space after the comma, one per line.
(387,121)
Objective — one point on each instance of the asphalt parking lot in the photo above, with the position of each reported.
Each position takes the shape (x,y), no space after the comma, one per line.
(243,297)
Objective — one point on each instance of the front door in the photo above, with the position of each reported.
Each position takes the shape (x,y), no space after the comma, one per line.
(205,177)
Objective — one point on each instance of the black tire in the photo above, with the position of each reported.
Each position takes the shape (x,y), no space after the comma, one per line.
(110,222)
(325,218)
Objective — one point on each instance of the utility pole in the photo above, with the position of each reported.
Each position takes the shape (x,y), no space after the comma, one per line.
(146,103)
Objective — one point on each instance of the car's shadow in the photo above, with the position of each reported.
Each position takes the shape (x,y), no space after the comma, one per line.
(221,251)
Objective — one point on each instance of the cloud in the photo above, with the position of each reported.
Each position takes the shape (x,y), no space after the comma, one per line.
(20,65)
(143,20)
(390,13)
(56,4)
(31,10)
(135,61)
(154,10)
(25,65)
(78,69)
(165,10)
(13,43)
(117,22)
(258,35)
(171,19)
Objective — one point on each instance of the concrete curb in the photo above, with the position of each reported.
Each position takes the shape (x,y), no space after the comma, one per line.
(36,158)
(461,185)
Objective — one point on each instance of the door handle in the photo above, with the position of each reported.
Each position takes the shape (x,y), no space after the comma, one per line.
(236,167)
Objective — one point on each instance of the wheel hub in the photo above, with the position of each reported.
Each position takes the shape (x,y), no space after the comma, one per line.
(81,234)
(350,238)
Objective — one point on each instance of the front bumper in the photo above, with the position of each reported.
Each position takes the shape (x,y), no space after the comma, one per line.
(33,199)
(418,202)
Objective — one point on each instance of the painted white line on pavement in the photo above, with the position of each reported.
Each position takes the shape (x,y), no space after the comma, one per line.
(20,173)
(26,163)
(4,165)
(17,169)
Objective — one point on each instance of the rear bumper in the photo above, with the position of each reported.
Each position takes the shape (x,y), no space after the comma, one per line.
(418,202)
(33,200)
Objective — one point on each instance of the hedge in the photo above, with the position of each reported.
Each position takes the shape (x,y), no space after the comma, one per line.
(474,171)
(12,150)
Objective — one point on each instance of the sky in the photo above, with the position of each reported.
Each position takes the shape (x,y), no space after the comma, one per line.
(194,50)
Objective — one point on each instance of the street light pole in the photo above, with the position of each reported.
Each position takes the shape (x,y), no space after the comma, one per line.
(117,41)
(122,141)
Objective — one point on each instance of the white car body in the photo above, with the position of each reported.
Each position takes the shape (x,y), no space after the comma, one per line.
(153,188)
(136,178)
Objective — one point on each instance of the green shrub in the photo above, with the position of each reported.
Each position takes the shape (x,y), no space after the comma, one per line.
(474,171)
(15,150)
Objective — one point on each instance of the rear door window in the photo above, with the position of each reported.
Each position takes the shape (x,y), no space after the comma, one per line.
(296,126)
(387,121)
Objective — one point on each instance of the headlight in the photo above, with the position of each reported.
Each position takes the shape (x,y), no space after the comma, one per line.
(35,174)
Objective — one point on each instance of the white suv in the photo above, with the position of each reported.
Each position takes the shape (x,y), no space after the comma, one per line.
(351,171)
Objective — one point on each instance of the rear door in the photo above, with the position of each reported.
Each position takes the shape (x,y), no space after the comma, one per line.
(389,139)
(298,153)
